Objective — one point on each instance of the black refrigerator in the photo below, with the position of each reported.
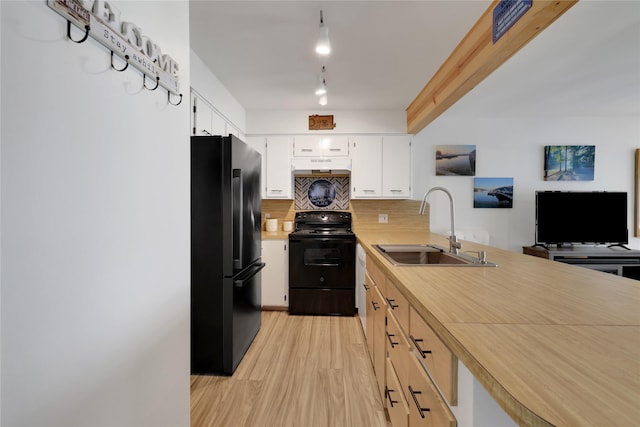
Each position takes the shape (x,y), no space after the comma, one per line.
(226,252)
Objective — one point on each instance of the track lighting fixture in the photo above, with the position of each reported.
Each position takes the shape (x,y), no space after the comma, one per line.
(322,89)
(323,47)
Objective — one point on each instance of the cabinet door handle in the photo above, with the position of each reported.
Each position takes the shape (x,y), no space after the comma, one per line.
(422,352)
(421,410)
(335,149)
(368,191)
(391,304)
(275,191)
(306,150)
(375,305)
(387,394)
(396,191)
(393,344)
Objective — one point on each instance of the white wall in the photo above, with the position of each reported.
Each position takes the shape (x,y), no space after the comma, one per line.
(95,226)
(537,98)
(347,121)
(207,85)
(515,148)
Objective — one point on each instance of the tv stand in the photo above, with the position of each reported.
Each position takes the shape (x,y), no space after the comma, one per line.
(614,259)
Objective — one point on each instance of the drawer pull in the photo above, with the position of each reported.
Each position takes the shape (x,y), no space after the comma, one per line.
(387,394)
(423,353)
(391,304)
(415,401)
(393,344)
(375,305)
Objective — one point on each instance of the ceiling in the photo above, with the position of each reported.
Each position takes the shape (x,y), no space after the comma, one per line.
(384,52)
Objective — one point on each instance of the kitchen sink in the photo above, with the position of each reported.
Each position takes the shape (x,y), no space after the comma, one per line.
(428,255)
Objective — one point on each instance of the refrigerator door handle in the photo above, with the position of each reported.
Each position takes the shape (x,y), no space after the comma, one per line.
(238,209)
(239,281)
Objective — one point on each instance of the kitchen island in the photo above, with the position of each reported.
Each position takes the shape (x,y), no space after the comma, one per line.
(553,344)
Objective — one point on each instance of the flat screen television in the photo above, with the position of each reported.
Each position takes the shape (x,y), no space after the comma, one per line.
(581,217)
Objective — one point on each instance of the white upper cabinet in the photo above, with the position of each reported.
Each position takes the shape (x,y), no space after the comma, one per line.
(366,167)
(396,167)
(259,143)
(205,120)
(321,146)
(381,167)
(278,177)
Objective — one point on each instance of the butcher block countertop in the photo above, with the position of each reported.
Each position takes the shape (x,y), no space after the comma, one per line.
(554,344)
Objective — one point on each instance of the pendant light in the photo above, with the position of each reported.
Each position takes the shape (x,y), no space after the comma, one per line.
(323,100)
(322,89)
(323,47)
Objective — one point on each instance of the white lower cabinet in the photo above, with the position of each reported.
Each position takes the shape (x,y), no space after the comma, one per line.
(275,276)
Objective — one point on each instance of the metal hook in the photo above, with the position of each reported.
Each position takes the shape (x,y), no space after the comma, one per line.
(144,82)
(87,28)
(126,58)
(169,99)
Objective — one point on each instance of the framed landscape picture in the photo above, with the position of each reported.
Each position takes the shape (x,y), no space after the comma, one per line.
(455,160)
(569,162)
(493,192)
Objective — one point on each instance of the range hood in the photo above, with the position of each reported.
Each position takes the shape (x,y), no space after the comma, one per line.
(328,165)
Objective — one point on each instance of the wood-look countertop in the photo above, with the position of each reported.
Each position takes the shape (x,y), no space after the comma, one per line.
(554,344)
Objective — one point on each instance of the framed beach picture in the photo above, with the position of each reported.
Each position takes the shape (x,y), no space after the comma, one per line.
(569,162)
(493,192)
(455,160)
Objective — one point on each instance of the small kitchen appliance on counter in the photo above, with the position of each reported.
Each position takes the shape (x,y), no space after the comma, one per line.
(322,258)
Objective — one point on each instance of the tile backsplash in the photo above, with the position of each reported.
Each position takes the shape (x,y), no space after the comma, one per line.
(321,193)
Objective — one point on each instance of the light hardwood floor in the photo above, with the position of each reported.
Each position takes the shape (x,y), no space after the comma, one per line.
(302,371)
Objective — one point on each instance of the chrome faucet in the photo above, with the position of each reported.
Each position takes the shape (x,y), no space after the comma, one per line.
(454,245)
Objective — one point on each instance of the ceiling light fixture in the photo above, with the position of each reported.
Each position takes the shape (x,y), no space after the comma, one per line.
(323,47)
(322,89)
(323,100)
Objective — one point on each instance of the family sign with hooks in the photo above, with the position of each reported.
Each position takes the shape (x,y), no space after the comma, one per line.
(101,20)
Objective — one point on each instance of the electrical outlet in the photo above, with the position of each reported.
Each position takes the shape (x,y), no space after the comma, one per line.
(383,218)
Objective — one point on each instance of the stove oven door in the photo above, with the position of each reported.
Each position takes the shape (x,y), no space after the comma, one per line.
(322,275)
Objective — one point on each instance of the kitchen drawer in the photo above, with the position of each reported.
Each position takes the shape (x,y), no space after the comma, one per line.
(395,402)
(398,349)
(426,406)
(373,305)
(441,363)
(377,275)
(398,305)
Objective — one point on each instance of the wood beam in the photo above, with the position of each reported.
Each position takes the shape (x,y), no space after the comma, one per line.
(476,57)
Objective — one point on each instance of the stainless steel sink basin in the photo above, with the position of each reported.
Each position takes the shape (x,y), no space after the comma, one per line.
(428,255)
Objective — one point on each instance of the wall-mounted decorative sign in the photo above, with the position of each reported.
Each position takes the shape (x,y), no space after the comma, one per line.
(319,193)
(569,162)
(493,192)
(456,160)
(317,122)
(101,20)
(507,13)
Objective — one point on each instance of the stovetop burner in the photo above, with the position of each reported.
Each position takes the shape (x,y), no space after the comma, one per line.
(322,223)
